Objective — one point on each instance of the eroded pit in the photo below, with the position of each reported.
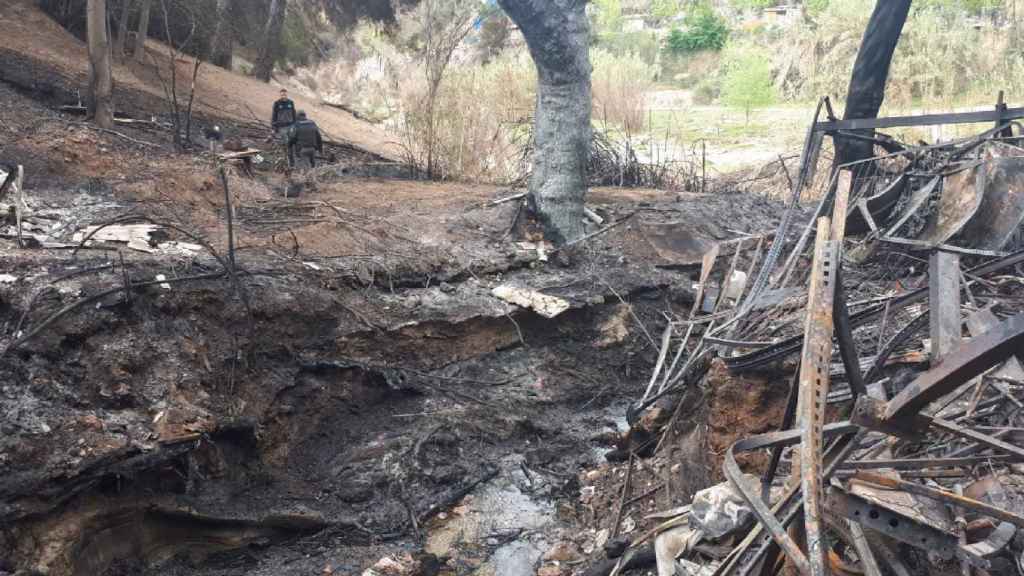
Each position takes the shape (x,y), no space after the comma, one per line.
(461,437)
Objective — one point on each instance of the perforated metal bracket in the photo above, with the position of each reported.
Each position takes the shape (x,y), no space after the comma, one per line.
(892,523)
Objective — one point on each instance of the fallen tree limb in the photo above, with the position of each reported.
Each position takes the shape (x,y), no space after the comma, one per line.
(582,239)
(115,133)
(97,297)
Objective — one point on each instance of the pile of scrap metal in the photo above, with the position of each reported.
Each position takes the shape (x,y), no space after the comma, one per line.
(901,446)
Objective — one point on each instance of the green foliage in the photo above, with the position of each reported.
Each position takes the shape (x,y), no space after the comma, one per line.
(643,44)
(750,4)
(705,30)
(296,47)
(609,15)
(971,6)
(748,79)
(941,57)
(815,7)
(665,9)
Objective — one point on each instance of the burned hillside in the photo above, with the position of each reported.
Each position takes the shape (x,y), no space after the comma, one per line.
(244,331)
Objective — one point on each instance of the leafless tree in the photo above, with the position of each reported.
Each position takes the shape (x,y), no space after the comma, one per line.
(122,29)
(444,25)
(101,83)
(223,36)
(143,31)
(558,33)
(181,114)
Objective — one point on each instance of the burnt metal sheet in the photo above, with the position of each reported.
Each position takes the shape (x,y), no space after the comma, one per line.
(917,200)
(1001,211)
(877,482)
(897,515)
(961,198)
(968,361)
(879,205)
(674,243)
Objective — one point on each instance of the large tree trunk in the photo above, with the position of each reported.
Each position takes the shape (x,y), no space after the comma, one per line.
(122,29)
(271,40)
(558,34)
(871,71)
(101,85)
(223,36)
(142,32)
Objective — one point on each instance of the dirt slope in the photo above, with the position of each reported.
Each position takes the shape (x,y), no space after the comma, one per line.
(37,54)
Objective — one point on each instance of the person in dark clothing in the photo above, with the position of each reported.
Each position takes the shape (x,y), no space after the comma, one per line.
(304,141)
(282,120)
(284,113)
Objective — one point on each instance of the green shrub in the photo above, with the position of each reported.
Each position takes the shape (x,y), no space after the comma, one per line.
(749,4)
(643,45)
(706,91)
(748,80)
(705,30)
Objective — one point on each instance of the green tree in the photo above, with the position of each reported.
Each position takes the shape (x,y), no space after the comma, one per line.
(816,6)
(750,4)
(748,80)
(609,16)
(972,6)
(665,9)
(705,30)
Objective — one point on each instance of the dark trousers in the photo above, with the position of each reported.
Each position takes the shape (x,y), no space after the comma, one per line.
(305,158)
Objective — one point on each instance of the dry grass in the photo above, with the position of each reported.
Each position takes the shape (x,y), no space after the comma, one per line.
(941,58)
(620,84)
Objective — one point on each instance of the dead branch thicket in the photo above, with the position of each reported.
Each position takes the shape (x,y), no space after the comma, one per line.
(180,112)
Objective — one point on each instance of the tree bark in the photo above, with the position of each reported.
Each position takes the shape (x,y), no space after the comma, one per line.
(142,32)
(101,85)
(271,40)
(122,29)
(223,36)
(871,71)
(558,34)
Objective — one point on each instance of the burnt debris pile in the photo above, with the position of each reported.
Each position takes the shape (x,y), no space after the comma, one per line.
(895,316)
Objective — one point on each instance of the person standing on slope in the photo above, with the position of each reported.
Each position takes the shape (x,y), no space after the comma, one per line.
(282,120)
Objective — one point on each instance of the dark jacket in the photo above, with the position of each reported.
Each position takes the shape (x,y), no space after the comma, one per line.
(284,113)
(305,134)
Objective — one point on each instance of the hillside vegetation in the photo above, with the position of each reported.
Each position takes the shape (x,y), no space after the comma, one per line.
(659,67)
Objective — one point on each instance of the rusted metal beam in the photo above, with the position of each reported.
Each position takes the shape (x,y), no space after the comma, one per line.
(944,300)
(770,527)
(892,522)
(921,120)
(966,362)
(941,495)
(814,385)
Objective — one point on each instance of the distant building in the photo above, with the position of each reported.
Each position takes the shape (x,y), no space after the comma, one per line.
(784,14)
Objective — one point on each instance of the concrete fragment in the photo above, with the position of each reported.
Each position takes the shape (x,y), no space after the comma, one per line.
(546,306)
